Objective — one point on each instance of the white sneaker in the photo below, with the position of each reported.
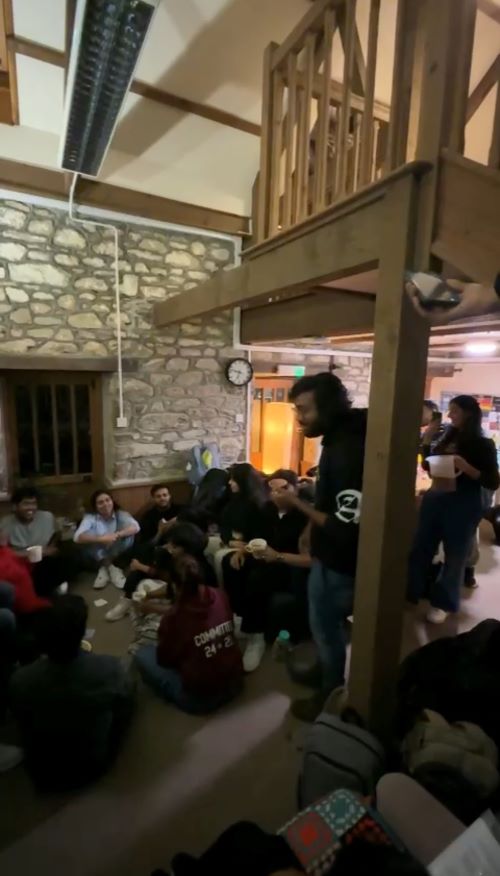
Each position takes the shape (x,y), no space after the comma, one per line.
(62,589)
(120,610)
(254,652)
(102,578)
(436,615)
(117,577)
(10,757)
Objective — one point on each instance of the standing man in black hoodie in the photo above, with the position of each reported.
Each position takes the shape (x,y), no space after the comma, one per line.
(323,408)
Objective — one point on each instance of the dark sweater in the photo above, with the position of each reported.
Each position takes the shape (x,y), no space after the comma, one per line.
(479,452)
(338,493)
(70,716)
(196,638)
(244,518)
(151,518)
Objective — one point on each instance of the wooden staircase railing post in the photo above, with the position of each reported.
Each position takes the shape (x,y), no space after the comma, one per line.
(266,142)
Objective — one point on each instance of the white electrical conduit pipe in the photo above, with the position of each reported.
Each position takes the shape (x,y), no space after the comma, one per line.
(121,421)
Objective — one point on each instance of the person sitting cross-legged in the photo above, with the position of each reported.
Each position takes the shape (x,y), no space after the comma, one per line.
(197,663)
(104,535)
(181,539)
(29,527)
(259,575)
(71,707)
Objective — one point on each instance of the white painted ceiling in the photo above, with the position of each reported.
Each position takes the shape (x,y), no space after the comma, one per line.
(209,51)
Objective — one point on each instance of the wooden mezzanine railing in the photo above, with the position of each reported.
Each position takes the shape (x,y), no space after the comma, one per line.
(323,139)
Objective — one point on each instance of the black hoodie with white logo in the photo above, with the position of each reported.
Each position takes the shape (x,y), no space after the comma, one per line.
(338,493)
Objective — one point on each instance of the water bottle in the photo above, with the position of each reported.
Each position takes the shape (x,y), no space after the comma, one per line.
(282,646)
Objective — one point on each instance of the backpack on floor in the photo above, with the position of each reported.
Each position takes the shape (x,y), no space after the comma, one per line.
(339,755)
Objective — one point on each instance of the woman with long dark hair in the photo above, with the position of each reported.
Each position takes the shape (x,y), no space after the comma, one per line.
(105,534)
(242,518)
(453,517)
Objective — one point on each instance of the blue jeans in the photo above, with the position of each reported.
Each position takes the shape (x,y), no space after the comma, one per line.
(331,597)
(452,519)
(167,683)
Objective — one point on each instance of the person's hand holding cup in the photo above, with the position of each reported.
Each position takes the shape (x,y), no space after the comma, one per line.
(35,553)
(257,547)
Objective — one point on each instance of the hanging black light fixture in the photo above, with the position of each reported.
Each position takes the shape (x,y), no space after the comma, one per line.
(107,40)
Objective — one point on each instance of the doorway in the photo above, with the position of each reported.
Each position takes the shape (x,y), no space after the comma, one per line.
(275,439)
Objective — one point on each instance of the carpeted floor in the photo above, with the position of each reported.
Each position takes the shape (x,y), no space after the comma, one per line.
(180,780)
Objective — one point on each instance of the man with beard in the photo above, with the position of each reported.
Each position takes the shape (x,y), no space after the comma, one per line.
(323,408)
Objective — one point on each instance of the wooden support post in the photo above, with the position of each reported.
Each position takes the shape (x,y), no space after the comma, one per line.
(371,67)
(438,26)
(388,508)
(494,154)
(345,110)
(401,83)
(459,75)
(305,130)
(261,232)
(289,199)
(321,151)
(276,150)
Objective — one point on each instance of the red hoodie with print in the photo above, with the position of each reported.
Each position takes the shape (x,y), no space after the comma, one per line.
(14,570)
(196,638)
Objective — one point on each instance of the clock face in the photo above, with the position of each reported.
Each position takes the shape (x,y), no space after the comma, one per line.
(239,372)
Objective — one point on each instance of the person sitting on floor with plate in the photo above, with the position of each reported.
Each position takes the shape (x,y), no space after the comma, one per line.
(72,707)
(266,568)
(181,539)
(104,536)
(197,663)
(31,533)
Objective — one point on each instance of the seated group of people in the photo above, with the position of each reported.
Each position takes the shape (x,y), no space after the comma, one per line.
(234,525)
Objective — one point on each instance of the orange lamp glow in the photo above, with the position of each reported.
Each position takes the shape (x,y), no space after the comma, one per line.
(277,436)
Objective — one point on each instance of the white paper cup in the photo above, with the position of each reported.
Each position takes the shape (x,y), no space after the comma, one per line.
(34,553)
(257,545)
(442,466)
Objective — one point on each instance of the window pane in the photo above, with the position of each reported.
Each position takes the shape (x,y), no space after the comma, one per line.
(24,421)
(64,429)
(45,430)
(82,405)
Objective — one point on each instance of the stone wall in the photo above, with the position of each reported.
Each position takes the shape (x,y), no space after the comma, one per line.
(354,371)
(57,299)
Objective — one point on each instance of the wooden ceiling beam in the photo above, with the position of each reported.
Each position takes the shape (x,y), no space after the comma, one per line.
(318,314)
(20,46)
(483,88)
(489,8)
(348,244)
(51,183)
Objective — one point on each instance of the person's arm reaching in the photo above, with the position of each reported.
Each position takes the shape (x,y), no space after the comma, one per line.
(285,501)
(299,561)
(86,534)
(476,299)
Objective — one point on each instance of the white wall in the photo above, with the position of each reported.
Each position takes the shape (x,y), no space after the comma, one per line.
(474,379)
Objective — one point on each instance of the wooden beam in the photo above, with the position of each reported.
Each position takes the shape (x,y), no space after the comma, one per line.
(490,8)
(266,145)
(68,33)
(151,92)
(63,363)
(346,244)
(212,113)
(398,378)
(494,153)
(359,66)
(467,222)
(402,84)
(317,314)
(483,88)
(365,159)
(8,15)
(459,75)
(312,22)
(50,183)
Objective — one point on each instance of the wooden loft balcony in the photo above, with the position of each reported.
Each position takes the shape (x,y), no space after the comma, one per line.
(350,195)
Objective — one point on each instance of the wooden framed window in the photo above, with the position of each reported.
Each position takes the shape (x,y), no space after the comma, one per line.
(54,424)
